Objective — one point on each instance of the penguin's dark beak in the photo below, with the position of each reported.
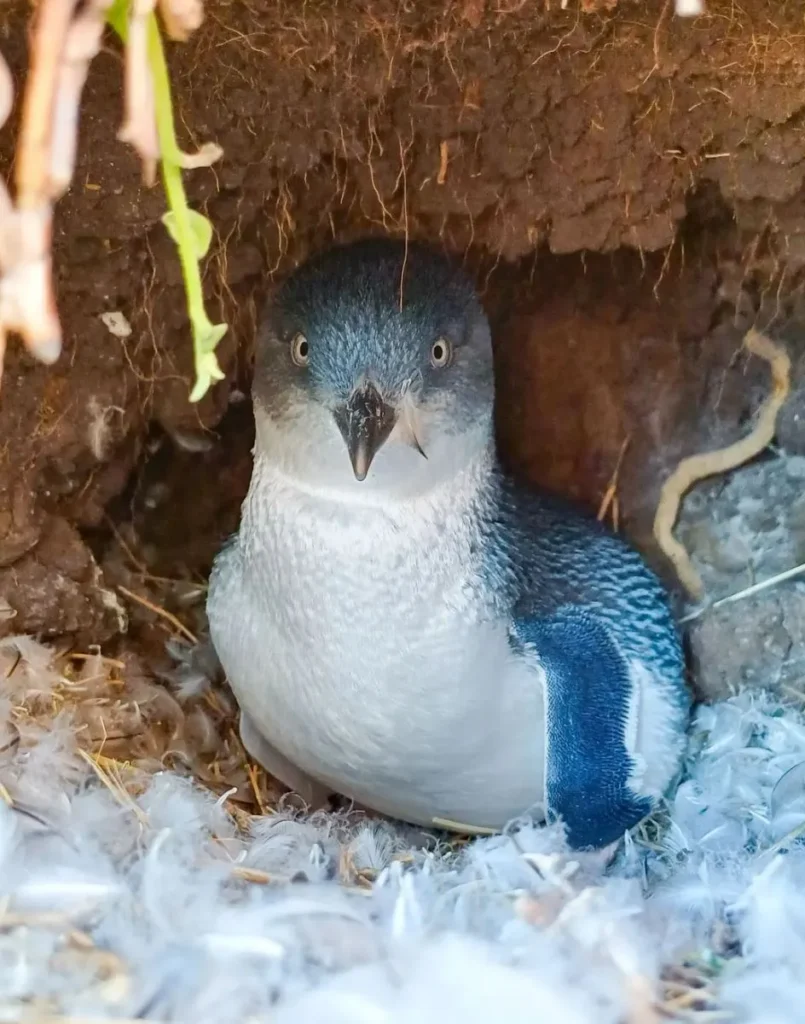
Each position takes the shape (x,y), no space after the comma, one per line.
(365,422)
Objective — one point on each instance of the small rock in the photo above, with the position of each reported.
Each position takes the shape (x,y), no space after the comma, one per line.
(117,324)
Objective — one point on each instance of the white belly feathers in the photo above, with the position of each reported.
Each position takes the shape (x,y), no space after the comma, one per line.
(364,652)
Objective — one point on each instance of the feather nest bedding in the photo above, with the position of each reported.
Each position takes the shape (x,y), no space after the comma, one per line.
(129,893)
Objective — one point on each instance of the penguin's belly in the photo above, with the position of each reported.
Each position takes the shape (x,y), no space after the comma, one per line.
(418,732)
(405,698)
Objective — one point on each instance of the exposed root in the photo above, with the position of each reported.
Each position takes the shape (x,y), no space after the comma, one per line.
(444,158)
(6,91)
(181,17)
(707,464)
(139,127)
(27,302)
(66,36)
(62,45)
(81,45)
(177,623)
(610,498)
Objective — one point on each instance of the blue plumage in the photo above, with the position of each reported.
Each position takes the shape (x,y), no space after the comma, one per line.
(588,764)
(401,621)
(583,603)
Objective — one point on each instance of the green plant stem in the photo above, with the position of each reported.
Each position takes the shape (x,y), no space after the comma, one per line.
(182,228)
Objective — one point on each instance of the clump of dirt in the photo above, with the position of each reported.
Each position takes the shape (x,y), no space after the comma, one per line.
(626,186)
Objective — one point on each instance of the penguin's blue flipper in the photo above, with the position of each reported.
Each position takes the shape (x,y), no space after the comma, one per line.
(589,692)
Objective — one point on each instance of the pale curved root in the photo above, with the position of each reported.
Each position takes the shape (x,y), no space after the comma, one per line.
(707,464)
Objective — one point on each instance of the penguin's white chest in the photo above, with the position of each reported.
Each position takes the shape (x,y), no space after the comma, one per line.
(360,644)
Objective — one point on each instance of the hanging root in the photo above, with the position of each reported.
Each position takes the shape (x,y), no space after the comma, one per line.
(62,45)
(706,464)
(27,302)
(66,35)
(139,126)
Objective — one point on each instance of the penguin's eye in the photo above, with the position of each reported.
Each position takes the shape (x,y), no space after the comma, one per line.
(300,350)
(441,353)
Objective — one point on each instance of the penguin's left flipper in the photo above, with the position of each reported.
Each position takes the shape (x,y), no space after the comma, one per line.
(591,776)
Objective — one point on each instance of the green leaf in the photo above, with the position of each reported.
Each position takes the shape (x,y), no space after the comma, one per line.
(208,337)
(205,339)
(198,226)
(207,371)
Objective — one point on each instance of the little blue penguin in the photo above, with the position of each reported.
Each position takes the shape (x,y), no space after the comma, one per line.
(403,623)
